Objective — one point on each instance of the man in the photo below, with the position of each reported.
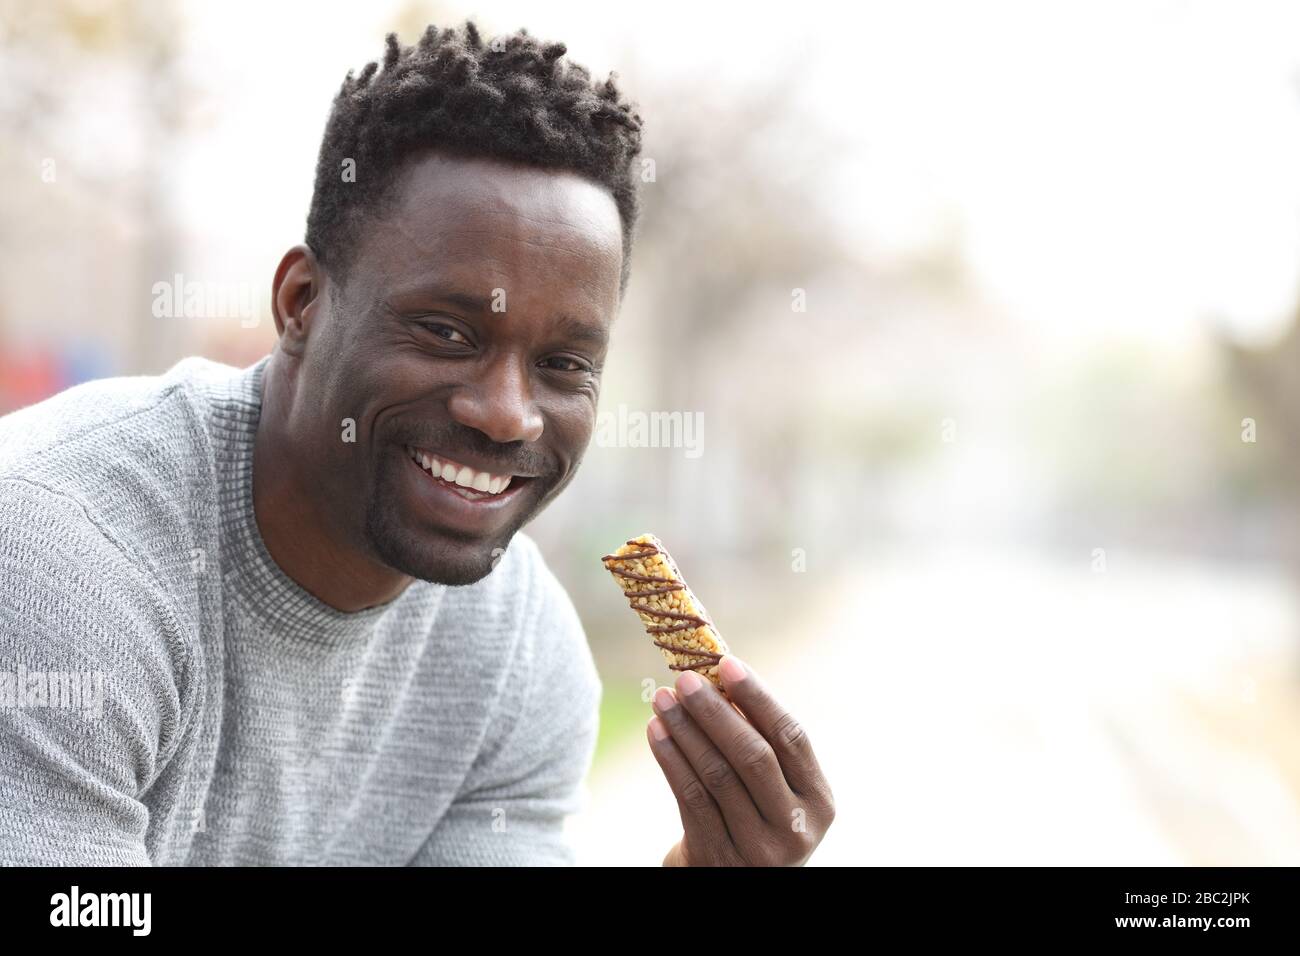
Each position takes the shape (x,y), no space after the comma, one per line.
(319,636)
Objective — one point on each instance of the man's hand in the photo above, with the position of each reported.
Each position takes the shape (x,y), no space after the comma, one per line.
(750,790)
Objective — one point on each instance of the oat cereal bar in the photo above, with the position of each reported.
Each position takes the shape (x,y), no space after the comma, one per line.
(670,613)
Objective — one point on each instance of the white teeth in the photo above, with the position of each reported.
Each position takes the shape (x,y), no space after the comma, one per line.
(461,475)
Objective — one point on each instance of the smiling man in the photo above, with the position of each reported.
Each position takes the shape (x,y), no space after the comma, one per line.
(321,636)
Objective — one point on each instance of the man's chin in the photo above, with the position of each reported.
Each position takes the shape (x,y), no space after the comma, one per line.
(441,559)
(417,545)
(430,553)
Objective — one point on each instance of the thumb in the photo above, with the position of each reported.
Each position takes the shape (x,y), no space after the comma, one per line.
(677,855)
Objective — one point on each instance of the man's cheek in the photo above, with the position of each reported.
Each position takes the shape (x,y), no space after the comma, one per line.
(578,431)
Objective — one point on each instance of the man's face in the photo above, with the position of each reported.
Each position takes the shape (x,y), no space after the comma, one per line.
(471,329)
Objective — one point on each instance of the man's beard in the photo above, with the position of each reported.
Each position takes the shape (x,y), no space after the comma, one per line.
(447,559)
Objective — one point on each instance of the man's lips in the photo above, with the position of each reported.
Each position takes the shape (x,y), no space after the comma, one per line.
(463,475)
(460,509)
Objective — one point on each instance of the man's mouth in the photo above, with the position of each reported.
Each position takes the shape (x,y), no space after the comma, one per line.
(470,483)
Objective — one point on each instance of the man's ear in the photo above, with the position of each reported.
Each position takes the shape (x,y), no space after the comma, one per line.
(296,295)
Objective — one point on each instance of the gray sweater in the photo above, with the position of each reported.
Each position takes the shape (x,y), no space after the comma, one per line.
(168,695)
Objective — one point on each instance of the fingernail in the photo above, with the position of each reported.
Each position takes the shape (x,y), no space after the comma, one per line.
(689,682)
(733,670)
(664,699)
(658,729)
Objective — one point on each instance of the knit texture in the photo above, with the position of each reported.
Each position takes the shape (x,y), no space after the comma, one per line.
(239,720)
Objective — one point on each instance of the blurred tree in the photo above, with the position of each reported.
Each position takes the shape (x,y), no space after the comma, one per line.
(1269,380)
(733,223)
(727,214)
(62,61)
(1271,377)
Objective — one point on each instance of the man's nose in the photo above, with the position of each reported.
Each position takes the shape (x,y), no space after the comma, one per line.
(499,403)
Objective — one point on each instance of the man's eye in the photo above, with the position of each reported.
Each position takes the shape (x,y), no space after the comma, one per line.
(445,332)
(562,363)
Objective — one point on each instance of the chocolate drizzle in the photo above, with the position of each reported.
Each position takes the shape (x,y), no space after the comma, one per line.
(690,621)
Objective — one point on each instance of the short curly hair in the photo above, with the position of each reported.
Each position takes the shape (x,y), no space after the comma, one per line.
(512,98)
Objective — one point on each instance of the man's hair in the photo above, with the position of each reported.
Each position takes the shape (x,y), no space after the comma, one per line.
(512,98)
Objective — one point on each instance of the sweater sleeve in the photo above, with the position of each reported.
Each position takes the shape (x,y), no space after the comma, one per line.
(89,700)
(514,802)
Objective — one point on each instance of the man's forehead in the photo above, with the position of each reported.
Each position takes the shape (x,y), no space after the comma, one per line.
(451,205)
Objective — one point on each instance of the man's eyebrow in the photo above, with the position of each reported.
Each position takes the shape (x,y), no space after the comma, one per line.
(576,329)
(467,301)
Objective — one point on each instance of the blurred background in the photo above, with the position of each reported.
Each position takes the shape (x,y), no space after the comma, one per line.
(989,315)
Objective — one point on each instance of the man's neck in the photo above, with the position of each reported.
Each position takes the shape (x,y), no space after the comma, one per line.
(295,528)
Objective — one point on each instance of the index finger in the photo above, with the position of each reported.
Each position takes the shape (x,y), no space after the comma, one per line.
(786,735)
